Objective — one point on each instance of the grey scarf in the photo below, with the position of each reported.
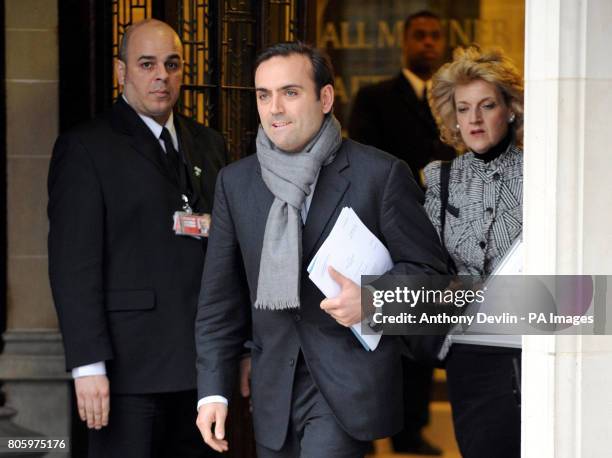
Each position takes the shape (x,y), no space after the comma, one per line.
(288,176)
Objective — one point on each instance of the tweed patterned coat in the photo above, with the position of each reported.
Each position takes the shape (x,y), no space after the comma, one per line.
(485,208)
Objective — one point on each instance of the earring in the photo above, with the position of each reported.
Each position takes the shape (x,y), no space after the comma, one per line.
(457,126)
(511,118)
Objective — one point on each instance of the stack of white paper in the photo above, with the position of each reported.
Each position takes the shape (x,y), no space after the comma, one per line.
(353,251)
(511,264)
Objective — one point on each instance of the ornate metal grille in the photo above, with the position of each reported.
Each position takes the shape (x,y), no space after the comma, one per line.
(238,49)
(220,42)
(218,79)
(124,13)
(280,21)
(197,29)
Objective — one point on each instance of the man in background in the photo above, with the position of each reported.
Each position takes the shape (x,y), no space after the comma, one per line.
(124,284)
(394,116)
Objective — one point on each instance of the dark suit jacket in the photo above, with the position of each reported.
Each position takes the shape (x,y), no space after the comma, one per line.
(363,388)
(389,116)
(125,287)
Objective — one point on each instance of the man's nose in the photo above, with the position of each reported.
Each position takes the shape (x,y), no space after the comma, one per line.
(276,105)
(428,41)
(162,72)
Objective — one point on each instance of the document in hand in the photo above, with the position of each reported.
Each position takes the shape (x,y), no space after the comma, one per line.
(353,251)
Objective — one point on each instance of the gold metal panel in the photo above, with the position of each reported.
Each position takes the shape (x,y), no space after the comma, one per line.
(124,13)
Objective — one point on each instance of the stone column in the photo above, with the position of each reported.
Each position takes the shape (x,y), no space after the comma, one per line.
(31,366)
(567,401)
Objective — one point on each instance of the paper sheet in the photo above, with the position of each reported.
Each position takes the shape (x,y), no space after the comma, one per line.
(353,251)
(511,264)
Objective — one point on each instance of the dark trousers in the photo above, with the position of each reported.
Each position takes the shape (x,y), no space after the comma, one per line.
(484,391)
(150,426)
(417,394)
(313,431)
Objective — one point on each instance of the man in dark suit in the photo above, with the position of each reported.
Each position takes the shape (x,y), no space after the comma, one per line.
(315,391)
(124,285)
(394,116)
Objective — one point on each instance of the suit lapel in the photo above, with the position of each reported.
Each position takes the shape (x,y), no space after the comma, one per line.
(410,99)
(125,120)
(328,194)
(186,149)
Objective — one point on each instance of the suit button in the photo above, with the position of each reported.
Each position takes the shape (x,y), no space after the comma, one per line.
(496,176)
(482,245)
(291,362)
(489,210)
(297,317)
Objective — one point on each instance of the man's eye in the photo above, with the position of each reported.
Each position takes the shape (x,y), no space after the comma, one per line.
(291,93)
(147,65)
(262,97)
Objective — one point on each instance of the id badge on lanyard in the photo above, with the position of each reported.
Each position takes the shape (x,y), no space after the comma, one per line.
(188,223)
(185,221)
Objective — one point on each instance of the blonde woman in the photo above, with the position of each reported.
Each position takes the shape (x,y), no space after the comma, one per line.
(475,203)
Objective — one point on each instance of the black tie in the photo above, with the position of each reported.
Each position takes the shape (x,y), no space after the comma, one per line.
(172,157)
(425,103)
(424,98)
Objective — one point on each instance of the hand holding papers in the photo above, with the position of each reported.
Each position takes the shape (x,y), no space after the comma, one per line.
(346,307)
(352,250)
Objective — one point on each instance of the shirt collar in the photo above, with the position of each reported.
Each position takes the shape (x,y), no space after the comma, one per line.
(417,83)
(156,128)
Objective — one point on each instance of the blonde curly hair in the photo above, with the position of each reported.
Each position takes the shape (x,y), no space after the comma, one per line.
(471,64)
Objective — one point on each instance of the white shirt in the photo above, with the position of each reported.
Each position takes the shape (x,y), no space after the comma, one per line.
(157,129)
(99,368)
(417,83)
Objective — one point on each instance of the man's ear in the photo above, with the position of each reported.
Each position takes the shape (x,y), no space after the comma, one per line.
(327,98)
(120,70)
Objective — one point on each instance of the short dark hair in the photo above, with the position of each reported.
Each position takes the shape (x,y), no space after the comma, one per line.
(323,72)
(123,46)
(419,14)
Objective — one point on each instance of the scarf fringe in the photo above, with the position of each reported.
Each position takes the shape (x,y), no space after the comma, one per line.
(262,304)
